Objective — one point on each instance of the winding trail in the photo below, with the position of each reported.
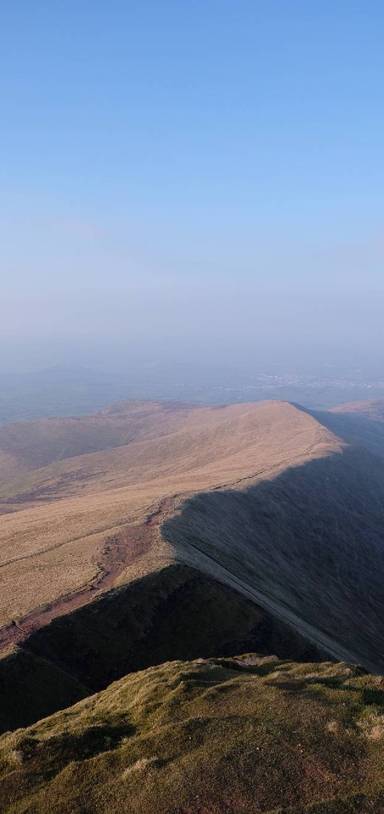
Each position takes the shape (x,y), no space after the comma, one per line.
(119,552)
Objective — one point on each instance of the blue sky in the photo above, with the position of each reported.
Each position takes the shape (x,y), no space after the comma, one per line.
(190,178)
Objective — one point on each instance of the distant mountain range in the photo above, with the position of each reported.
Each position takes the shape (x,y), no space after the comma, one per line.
(64,391)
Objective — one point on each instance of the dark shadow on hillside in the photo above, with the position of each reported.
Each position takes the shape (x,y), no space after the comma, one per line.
(308,544)
(32,688)
(175,613)
(356,429)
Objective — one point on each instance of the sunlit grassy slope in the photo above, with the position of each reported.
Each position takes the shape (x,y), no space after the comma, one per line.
(58,512)
(217,736)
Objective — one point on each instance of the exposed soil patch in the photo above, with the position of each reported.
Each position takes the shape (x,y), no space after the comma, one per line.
(119,552)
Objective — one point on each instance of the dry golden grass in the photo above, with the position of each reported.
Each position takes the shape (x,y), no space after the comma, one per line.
(57,517)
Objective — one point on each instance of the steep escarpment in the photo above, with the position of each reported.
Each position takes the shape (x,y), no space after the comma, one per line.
(360,424)
(308,545)
(175,613)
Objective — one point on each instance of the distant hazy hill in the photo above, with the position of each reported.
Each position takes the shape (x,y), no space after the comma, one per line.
(58,391)
(69,391)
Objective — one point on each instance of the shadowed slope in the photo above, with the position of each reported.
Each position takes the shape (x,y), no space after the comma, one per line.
(307,545)
(359,424)
(177,612)
(32,687)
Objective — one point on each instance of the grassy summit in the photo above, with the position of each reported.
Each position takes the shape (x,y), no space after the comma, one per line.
(213,736)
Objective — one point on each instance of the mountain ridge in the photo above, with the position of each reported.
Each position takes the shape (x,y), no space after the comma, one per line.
(232,491)
(210,532)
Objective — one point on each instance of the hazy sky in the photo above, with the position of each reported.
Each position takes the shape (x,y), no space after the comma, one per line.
(196,178)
